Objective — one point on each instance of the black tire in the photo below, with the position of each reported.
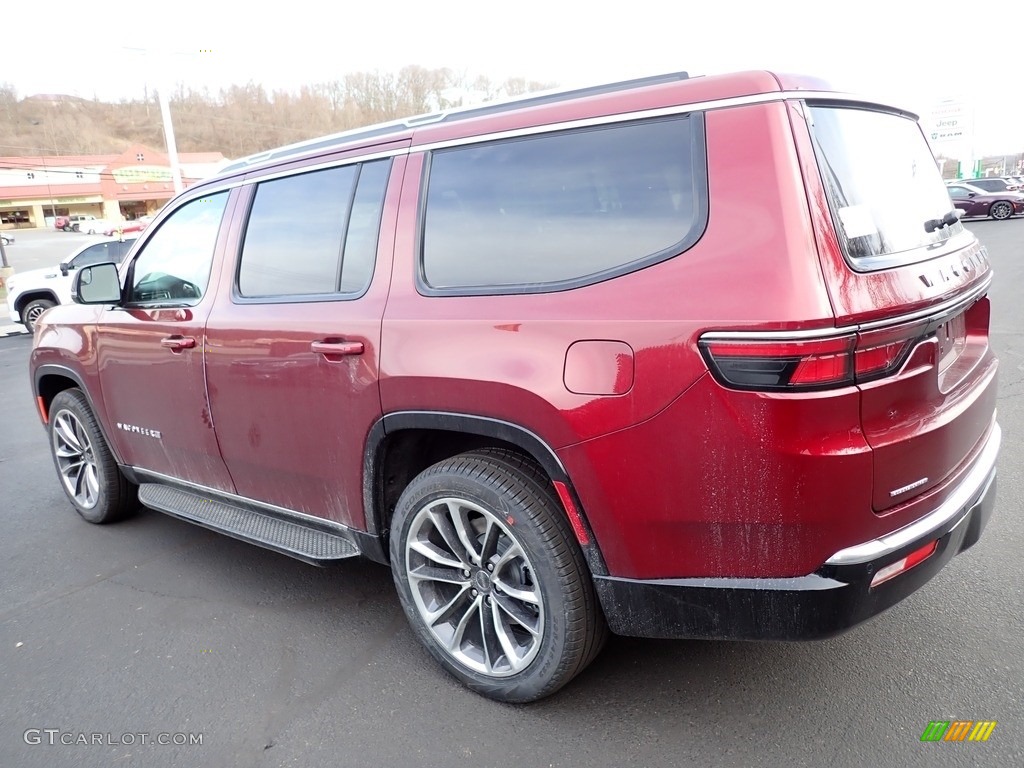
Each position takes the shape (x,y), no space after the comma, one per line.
(115,497)
(32,311)
(67,227)
(559,635)
(1001,210)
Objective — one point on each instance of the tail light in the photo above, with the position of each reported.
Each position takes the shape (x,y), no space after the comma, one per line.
(760,363)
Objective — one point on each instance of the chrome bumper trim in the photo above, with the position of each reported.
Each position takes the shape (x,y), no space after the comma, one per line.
(975,481)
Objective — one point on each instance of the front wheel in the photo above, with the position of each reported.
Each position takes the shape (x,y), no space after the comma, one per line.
(33,311)
(1001,210)
(87,470)
(491,578)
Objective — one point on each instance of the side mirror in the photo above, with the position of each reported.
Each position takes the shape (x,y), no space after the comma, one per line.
(97,284)
(972,194)
(65,267)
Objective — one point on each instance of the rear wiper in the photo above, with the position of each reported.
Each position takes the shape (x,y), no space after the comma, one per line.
(948,220)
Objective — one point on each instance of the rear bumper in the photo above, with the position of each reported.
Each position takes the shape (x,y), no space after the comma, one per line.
(833,599)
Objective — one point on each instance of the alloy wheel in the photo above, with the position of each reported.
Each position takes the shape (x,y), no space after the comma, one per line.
(1001,211)
(34,314)
(474,587)
(76,461)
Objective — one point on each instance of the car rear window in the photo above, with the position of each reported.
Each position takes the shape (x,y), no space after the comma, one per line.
(563,209)
(882,183)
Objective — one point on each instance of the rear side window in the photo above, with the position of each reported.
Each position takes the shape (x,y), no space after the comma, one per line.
(882,183)
(562,210)
(314,234)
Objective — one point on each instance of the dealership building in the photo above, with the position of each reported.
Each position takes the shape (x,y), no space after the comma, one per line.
(137,182)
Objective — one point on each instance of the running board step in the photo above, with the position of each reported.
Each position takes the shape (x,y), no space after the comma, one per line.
(303,542)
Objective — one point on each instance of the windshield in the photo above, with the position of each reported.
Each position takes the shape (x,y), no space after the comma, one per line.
(882,182)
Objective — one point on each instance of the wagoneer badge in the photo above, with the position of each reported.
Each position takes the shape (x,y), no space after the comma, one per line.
(905,488)
(139,430)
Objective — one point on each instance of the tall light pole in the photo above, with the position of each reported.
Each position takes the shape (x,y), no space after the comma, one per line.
(165,114)
(172,147)
(56,153)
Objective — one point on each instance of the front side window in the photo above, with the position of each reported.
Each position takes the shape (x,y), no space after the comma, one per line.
(174,264)
(882,182)
(313,234)
(564,209)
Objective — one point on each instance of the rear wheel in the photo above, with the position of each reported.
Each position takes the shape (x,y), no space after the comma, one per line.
(34,310)
(491,578)
(86,468)
(1001,210)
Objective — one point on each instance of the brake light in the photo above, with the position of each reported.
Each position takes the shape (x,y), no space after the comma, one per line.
(878,359)
(836,361)
(781,364)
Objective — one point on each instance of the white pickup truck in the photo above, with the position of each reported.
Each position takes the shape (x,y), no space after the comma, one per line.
(31,293)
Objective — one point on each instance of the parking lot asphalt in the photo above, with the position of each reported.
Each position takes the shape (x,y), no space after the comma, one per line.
(154,627)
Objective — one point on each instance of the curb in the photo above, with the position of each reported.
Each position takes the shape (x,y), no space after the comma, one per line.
(13,330)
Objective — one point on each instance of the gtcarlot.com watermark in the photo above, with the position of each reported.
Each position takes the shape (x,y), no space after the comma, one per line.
(56,736)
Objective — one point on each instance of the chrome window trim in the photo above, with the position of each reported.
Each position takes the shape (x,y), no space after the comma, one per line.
(979,476)
(330,164)
(645,114)
(677,109)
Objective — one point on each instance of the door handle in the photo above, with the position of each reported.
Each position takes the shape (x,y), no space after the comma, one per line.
(178,343)
(337,348)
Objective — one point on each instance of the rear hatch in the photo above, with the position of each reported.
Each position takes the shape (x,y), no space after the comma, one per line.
(904,272)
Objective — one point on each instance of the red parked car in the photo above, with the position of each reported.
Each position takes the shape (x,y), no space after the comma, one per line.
(974,201)
(658,357)
(126,227)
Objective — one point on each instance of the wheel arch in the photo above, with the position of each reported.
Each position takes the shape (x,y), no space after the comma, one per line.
(50,379)
(24,299)
(400,445)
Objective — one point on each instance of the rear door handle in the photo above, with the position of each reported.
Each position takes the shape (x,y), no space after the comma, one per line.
(178,343)
(337,348)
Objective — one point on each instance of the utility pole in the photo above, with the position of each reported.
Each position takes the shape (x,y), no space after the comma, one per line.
(165,114)
(172,147)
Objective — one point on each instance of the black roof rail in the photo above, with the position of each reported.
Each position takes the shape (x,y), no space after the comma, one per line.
(385,129)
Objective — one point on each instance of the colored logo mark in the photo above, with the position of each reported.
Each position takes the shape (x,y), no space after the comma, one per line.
(958,730)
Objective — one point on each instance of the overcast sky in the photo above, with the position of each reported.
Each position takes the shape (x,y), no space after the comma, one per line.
(914,52)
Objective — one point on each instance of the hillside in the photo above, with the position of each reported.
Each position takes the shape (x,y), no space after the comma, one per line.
(236,121)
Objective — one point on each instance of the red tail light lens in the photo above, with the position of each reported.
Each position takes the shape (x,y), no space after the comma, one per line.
(781,364)
(827,363)
(881,359)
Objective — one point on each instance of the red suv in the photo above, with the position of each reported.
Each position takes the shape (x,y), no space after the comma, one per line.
(658,357)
